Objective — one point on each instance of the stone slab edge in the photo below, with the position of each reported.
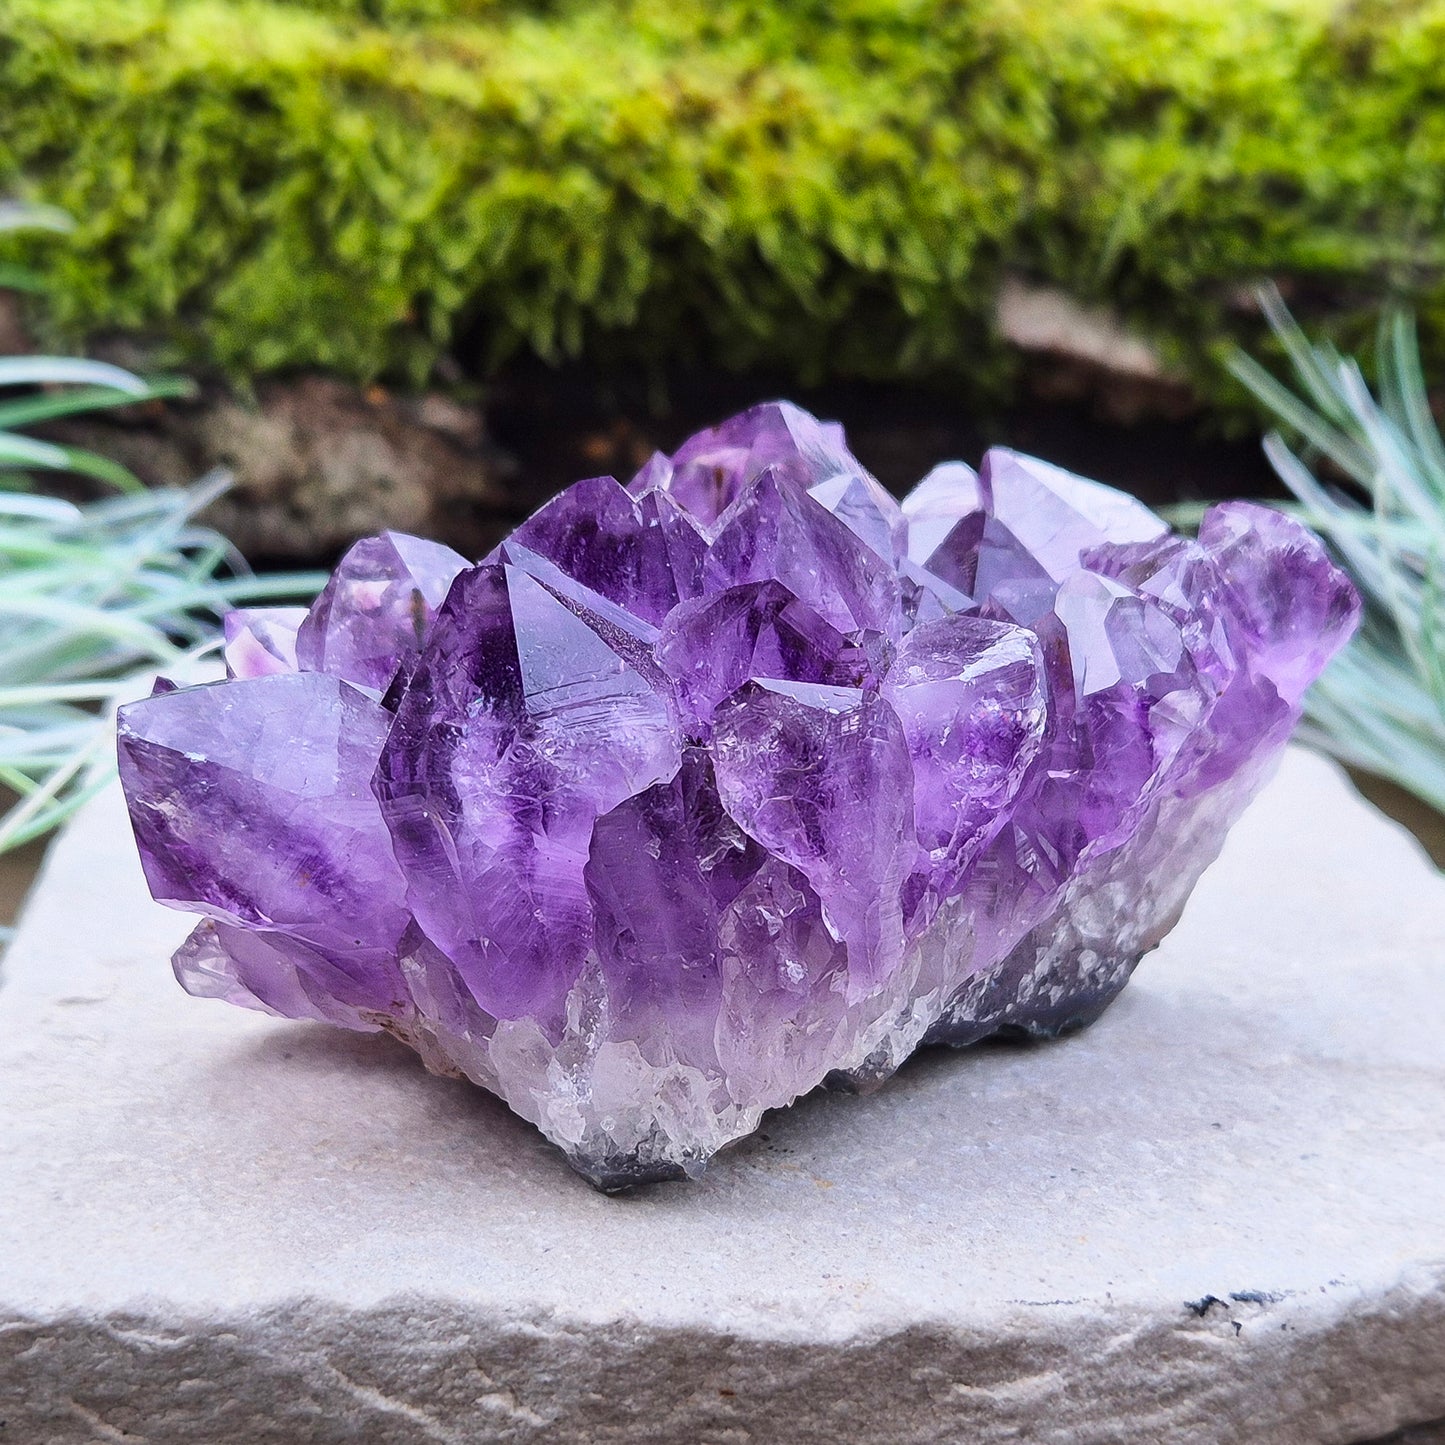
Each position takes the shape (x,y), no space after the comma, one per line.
(1329,1370)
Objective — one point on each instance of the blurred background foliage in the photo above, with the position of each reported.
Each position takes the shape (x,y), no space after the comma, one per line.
(834,189)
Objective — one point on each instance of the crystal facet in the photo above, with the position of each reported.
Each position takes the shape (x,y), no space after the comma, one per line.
(372,616)
(743,778)
(262,640)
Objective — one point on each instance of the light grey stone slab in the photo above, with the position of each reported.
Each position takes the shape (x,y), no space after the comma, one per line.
(217,1227)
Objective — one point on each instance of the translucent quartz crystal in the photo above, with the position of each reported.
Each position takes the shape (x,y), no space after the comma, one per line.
(743,778)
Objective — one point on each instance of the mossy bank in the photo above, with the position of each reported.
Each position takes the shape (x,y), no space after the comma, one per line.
(830,187)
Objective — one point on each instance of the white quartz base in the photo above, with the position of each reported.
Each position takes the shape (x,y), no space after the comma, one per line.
(217,1227)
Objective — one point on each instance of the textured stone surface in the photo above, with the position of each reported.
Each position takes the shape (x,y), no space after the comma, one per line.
(1214,1217)
(1072,350)
(318,462)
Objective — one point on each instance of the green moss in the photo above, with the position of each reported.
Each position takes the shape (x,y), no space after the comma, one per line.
(833,186)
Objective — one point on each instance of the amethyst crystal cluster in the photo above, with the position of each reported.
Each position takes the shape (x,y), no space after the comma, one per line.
(742,778)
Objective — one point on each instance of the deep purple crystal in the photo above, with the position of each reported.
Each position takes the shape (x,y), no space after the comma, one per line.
(742,778)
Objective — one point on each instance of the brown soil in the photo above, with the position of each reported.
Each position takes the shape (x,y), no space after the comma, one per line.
(17,872)
(1404,807)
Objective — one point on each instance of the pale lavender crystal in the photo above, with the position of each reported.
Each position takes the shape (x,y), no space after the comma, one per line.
(776,531)
(971,698)
(862,504)
(372,616)
(261,641)
(709,471)
(948,494)
(743,778)
(712,645)
(820,777)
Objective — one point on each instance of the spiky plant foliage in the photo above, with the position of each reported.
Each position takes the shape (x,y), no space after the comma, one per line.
(27,216)
(89,386)
(1368,472)
(89,595)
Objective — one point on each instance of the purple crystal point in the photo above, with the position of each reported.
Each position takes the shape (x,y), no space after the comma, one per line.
(821,777)
(709,471)
(262,640)
(970,696)
(663,868)
(744,778)
(655,473)
(1050,516)
(785,989)
(646,556)
(776,532)
(1136,697)
(521,725)
(1289,608)
(711,646)
(862,505)
(1037,520)
(635,636)
(947,495)
(945,517)
(373,615)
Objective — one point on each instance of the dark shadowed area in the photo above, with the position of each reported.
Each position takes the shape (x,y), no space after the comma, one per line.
(560,425)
